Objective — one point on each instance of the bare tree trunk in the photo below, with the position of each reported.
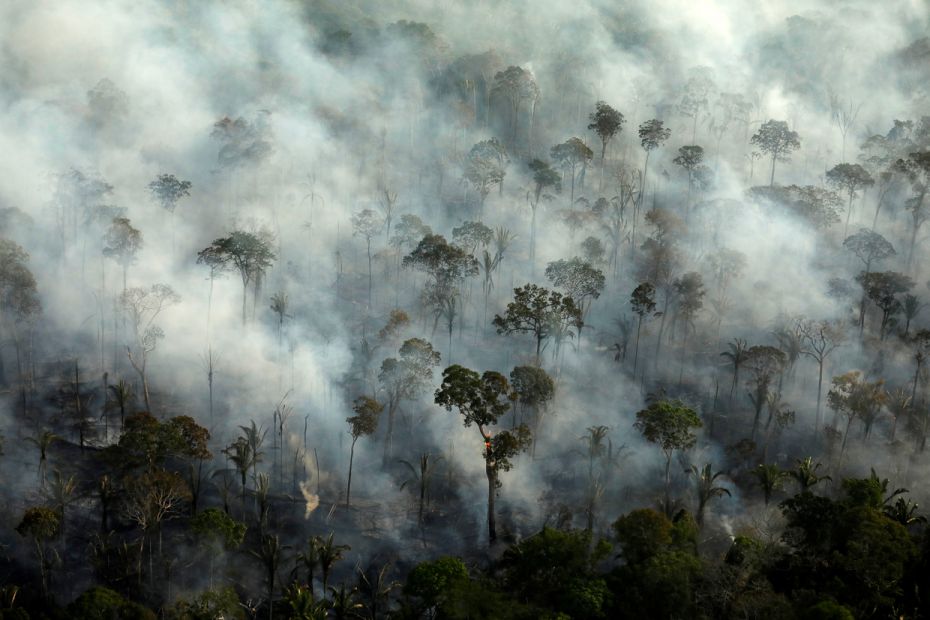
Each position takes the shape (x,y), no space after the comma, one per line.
(492,489)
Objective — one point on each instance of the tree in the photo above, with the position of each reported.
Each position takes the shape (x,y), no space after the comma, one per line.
(367,224)
(406,378)
(777,140)
(690,159)
(668,424)
(43,442)
(855,398)
(151,498)
(122,243)
(481,400)
(470,235)
(19,305)
(569,155)
(851,178)
(763,363)
(652,134)
(538,311)
(736,355)
(916,170)
(143,307)
(579,279)
(167,189)
(805,474)
(41,524)
(486,166)
(329,553)
(868,246)
(217,532)
(818,206)
(820,339)
(249,253)
(769,479)
(534,389)
(422,477)
(705,487)
(883,289)
(516,85)
(269,554)
(544,177)
(606,122)
(643,303)
(362,424)
(447,265)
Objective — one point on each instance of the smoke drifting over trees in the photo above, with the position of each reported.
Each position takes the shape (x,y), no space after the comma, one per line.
(266,267)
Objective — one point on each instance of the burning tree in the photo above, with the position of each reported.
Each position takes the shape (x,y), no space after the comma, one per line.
(481,400)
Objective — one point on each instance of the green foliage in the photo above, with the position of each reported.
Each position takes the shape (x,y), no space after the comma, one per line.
(556,570)
(39,523)
(99,603)
(365,420)
(217,530)
(432,581)
(642,534)
(209,605)
(668,424)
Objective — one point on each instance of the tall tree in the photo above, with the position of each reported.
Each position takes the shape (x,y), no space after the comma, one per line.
(544,178)
(777,140)
(249,253)
(486,166)
(884,289)
(851,178)
(143,307)
(405,378)
(643,303)
(534,390)
(123,242)
(916,169)
(690,159)
(579,279)
(168,190)
(669,424)
(367,224)
(705,479)
(820,339)
(538,311)
(764,363)
(362,424)
(517,85)
(569,155)
(481,400)
(606,122)
(652,134)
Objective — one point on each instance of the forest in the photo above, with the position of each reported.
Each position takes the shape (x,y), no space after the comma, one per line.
(455,310)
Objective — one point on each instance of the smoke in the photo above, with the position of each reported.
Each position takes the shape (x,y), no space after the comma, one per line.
(336,103)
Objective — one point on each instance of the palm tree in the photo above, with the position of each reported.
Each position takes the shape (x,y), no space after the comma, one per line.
(43,442)
(706,490)
(736,355)
(421,478)
(329,554)
(769,478)
(344,603)
(61,494)
(122,394)
(309,558)
(302,605)
(270,555)
(376,588)
(240,453)
(904,512)
(594,442)
(805,474)
(255,436)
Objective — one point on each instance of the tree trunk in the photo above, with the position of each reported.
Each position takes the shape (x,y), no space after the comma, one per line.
(492,489)
(772,178)
(639,327)
(349,485)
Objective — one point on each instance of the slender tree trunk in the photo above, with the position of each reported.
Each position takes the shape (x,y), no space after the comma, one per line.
(639,327)
(819,393)
(492,490)
(349,485)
